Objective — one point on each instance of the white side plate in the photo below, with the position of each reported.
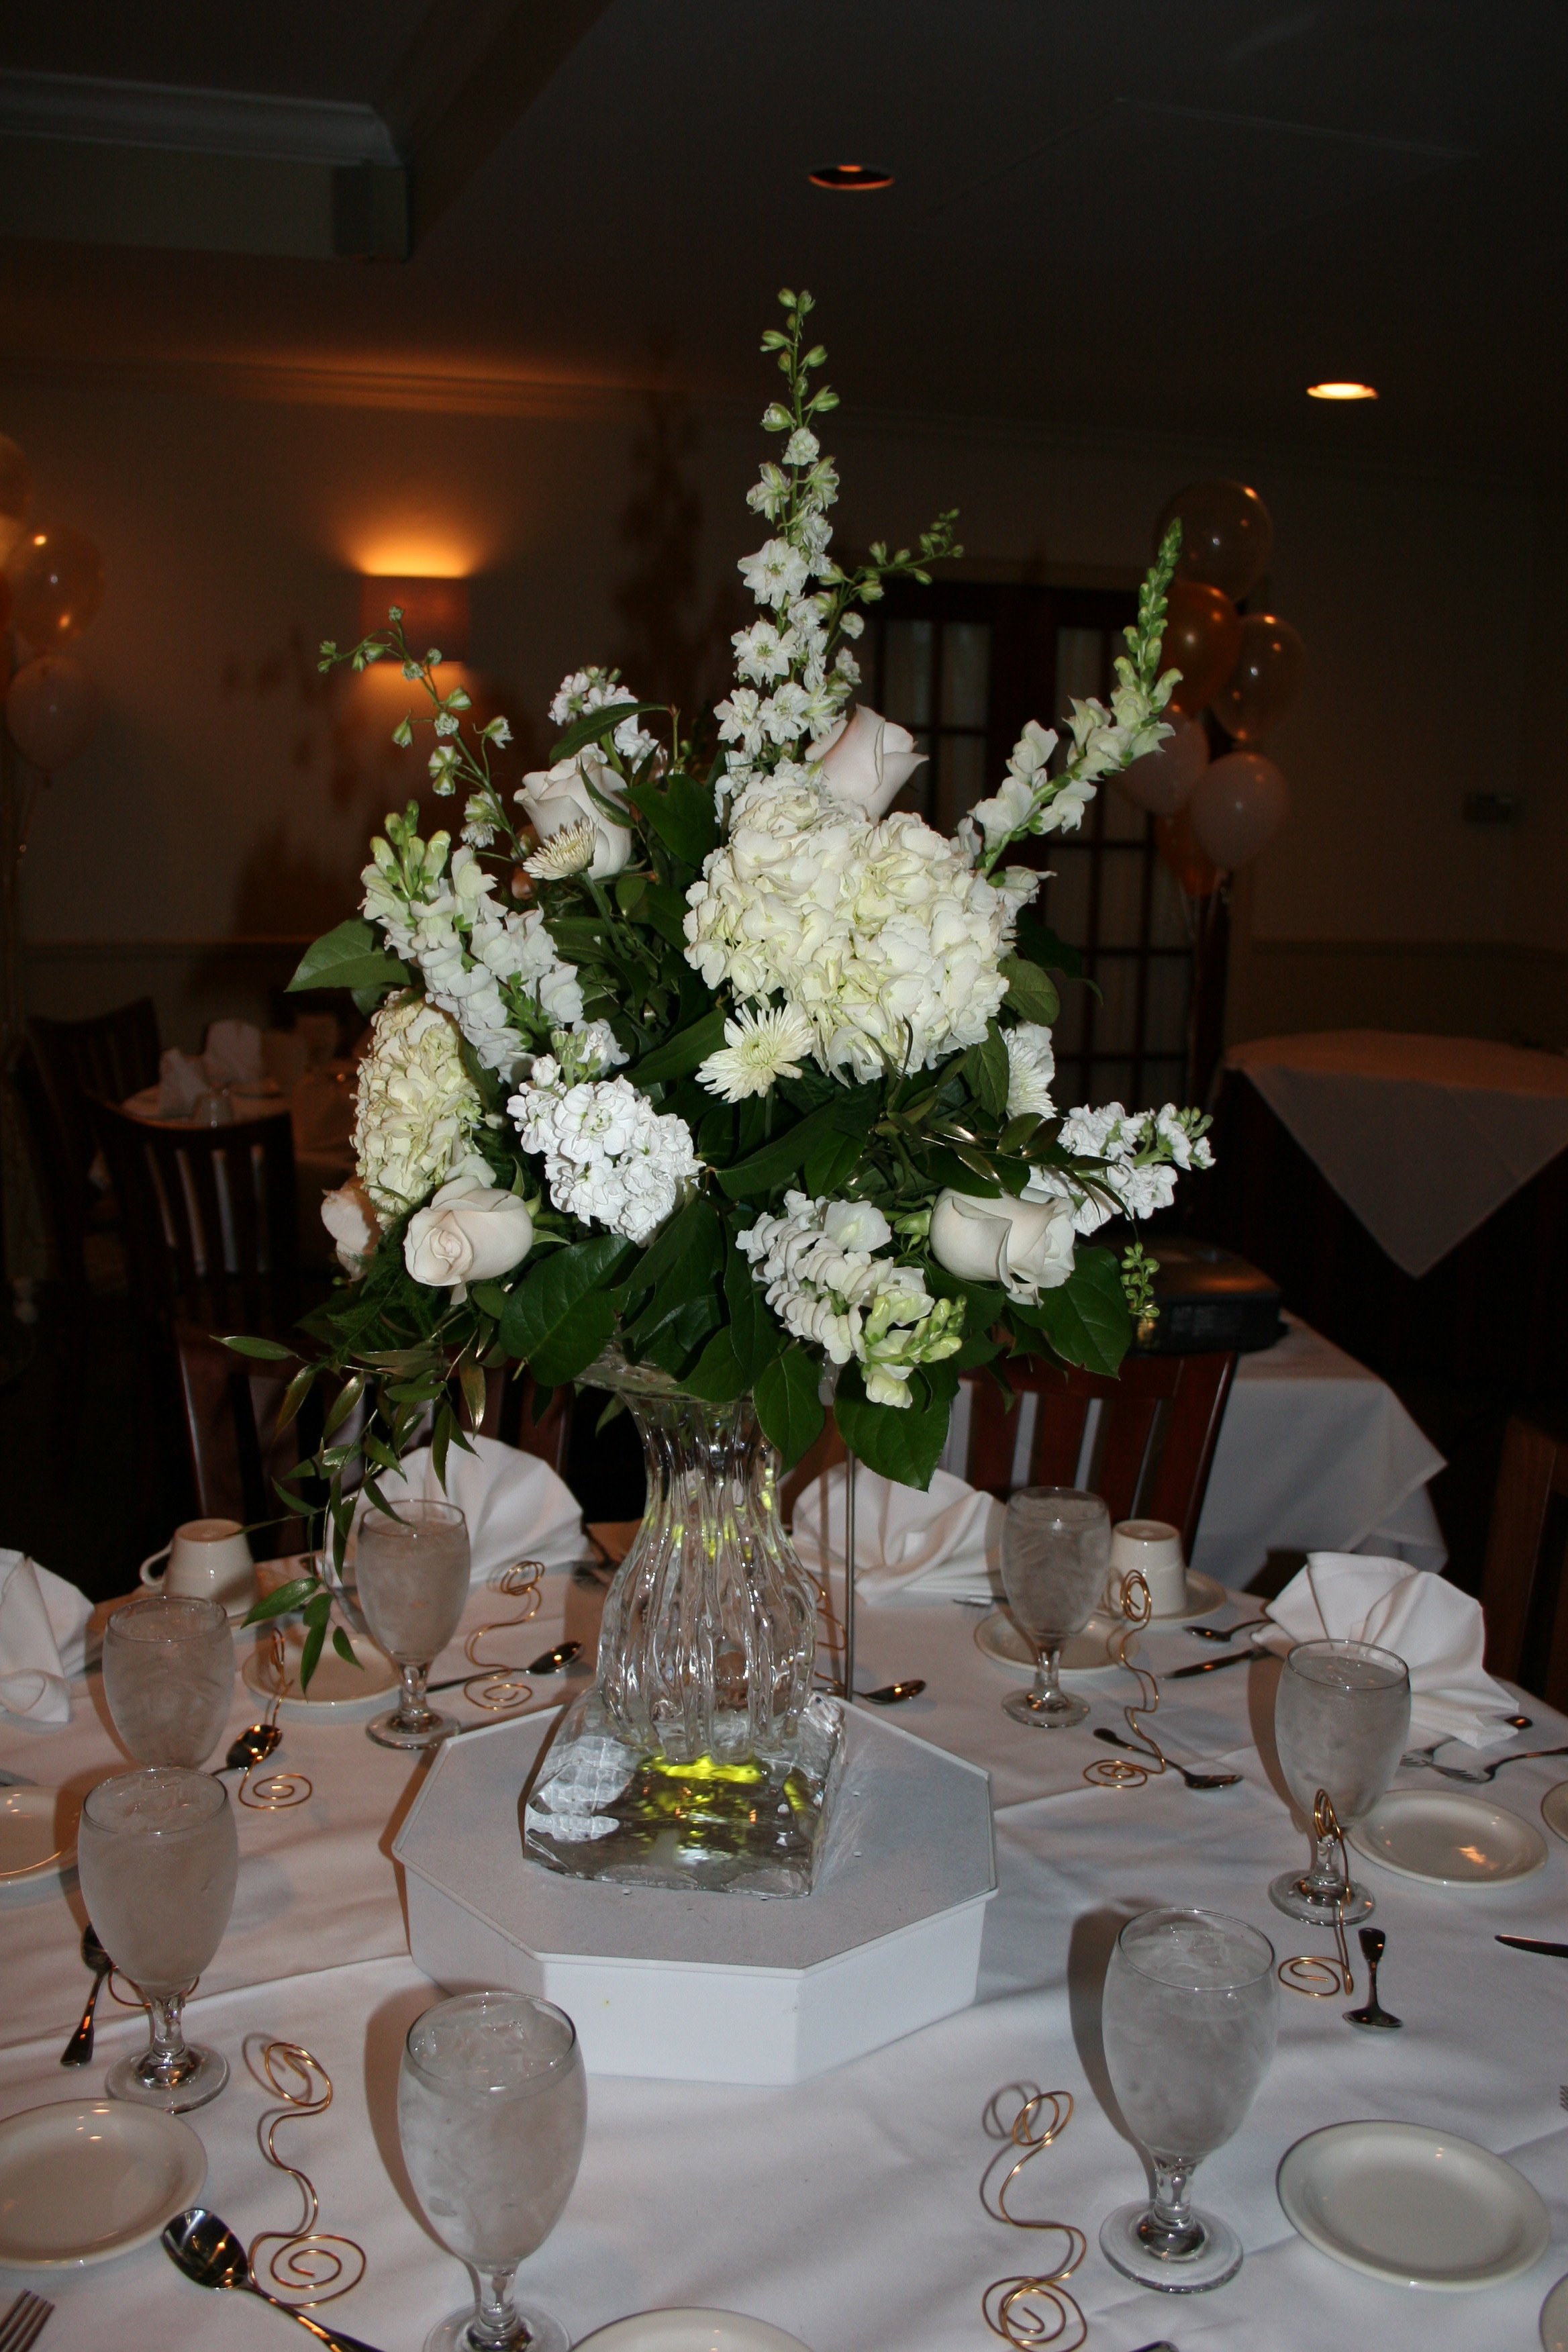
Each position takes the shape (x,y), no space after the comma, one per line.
(690,2331)
(1554,1809)
(1554,2319)
(1086,1654)
(38,1835)
(90,2178)
(1449,1839)
(338,1693)
(1419,2207)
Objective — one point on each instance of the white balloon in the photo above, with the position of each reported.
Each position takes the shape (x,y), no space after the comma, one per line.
(1163,779)
(1241,803)
(51,710)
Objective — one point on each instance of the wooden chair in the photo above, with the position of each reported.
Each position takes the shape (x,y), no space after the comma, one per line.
(1524,1588)
(509,1415)
(229,1408)
(211,1220)
(1152,1444)
(60,1065)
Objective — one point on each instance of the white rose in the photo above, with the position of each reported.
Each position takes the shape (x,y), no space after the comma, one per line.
(560,796)
(469,1232)
(349,1215)
(869,761)
(1026,1245)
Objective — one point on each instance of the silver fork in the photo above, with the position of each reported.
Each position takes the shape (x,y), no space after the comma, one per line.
(1456,1772)
(25,2322)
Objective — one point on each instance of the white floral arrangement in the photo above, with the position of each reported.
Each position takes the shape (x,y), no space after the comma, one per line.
(721,1057)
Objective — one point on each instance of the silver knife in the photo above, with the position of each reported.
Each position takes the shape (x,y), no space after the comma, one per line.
(1532,1943)
(1212,1665)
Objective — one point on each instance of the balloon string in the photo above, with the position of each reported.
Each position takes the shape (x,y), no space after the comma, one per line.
(307,2264)
(500,1689)
(1033,2309)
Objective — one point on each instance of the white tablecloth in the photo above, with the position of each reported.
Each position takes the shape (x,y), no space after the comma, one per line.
(1422,1137)
(843,2210)
(1315,1453)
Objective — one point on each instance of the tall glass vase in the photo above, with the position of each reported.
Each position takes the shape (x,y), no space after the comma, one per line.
(702,1756)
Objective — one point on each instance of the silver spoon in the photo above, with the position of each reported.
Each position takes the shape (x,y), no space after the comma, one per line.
(1228,1632)
(78,2051)
(553,1662)
(1372,1940)
(250,1746)
(208,2251)
(1193,1779)
(893,1694)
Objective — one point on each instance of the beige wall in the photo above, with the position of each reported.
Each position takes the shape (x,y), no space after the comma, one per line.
(229,791)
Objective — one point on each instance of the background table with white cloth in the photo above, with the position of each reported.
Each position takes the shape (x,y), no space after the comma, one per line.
(845,2209)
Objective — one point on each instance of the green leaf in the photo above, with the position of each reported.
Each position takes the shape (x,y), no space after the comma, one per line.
(682,1053)
(987,1069)
(830,1161)
(1087,1320)
(345,1649)
(560,1318)
(757,1336)
(286,1597)
(664,910)
(1037,943)
(788,1406)
(681,815)
(350,957)
(294,1396)
(594,725)
(717,1376)
(309,1656)
(472,1379)
(904,1444)
(681,1271)
(343,1404)
(754,1178)
(1031,993)
(269,1351)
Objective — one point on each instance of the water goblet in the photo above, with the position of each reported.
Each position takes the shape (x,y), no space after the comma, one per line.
(411,1573)
(1341,1717)
(1056,1547)
(158,1858)
(1189,2017)
(168,1676)
(491,2109)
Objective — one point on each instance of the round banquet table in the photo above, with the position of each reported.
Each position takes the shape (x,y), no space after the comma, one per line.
(845,2209)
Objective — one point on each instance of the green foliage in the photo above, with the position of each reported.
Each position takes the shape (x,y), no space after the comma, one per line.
(562,1315)
(1086,1320)
(901,1444)
(788,1405)
(350,957)
(1031,993)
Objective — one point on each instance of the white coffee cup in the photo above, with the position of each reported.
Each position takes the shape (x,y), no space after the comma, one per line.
(209,1560)
(1153,1547)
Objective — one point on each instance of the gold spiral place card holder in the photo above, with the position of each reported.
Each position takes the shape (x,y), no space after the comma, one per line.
(278,1791)
(1309,1972)
(1032,2309)
(1137,1607)
(306,2265)
(501,1690)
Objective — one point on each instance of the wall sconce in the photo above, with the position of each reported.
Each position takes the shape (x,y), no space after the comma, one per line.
(435,612)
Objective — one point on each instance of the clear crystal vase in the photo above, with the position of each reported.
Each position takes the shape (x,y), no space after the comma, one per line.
(701,1756)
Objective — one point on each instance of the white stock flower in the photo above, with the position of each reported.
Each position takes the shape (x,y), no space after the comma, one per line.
(1026,1245)
(559,797)
(759,1048)
(1031,1065)
(418,1111)
(610,1158)
(818,1267)
(1142,1149)
(469,1232)
(349,1216)
(870,759)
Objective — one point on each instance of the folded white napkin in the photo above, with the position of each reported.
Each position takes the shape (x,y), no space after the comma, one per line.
(43,1640)
(1437,1630)
(181,1082)
(516,1507)
(232,1054)
(912,1548)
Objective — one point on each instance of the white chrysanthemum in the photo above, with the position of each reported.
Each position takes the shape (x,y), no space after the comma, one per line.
(881,935)
(759,1049)
(566,852)
(1031,1065)
(418,1111)
(610,1158)
(823,1278)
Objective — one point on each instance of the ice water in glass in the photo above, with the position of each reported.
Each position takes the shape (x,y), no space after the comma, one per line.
(411,1574)
(492,2110)
(158,1859)
(1189,2017)
(168,1675)
(1342,1717)
(1056,1549)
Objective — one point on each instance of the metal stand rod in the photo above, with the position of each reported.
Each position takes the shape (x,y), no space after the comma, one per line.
(849,1576)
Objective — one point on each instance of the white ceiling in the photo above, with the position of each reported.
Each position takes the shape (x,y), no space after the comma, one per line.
(1137,212)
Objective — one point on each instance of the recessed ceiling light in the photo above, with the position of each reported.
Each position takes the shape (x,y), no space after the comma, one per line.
(850,175)
(1341,391)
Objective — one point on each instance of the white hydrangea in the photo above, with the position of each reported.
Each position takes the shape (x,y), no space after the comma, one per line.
(818,1267)
(1031,1065)
(881,935)
(418,1111)
(1143,1150)
(610,1158)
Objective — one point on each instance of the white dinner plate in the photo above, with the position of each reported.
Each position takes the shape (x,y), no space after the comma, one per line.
(90,2178)
(1086,1654)
(338,1693)
(1554,1809)
(1449,1839)
(690,2331)
(1419,2207)
(38,1835)
(1554,2319)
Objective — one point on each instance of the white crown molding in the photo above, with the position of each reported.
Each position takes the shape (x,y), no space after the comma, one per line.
(191,121)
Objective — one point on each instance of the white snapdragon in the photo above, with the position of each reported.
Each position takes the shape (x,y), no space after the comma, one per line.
(610,1158)
(417,1112)
(1142,1151)
(819,1267)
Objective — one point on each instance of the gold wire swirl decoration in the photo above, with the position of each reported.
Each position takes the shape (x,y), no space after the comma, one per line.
(1136,1606)
(1309,1972)
(1031,2309)
(500,1690)
(274,1791)
(307,2264)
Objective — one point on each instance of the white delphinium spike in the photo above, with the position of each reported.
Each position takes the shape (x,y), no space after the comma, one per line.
(759,1049)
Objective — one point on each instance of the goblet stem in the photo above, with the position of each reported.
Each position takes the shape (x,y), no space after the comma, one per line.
(1169,2229)
(495,2325)
(414,1711)
(1047,1688)
(1325,1880)
(165,2061)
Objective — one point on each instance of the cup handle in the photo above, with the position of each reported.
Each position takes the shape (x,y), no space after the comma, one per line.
(151,1562)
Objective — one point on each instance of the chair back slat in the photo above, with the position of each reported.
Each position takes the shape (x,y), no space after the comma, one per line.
(1525,1586)
(230,1410)
(510,1402)
(1060,1424)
